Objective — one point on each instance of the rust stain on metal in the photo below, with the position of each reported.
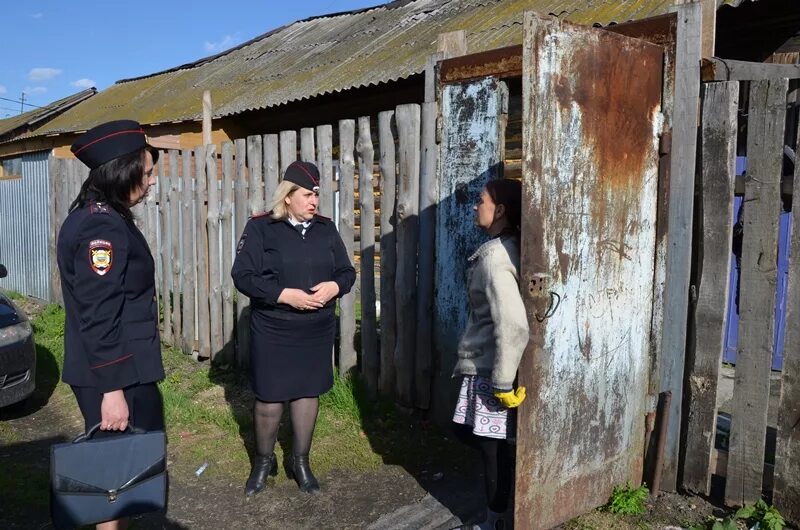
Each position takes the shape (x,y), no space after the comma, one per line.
(502,62)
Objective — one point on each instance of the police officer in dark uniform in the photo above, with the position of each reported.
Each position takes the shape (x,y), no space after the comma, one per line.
(293,265)
(112,354)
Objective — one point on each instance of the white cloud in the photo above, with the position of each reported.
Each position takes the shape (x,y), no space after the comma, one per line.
(228,41)
(83,83)
(37,15)
(2,90)
(43,74)
(35,90)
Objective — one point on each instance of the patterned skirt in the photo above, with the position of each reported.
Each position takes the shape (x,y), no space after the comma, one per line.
(477,406)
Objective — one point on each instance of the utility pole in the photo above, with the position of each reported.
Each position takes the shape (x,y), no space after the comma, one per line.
(22,103)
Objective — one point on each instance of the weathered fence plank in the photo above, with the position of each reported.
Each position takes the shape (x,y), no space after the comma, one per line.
(55,169)
(272,176)
(215,289)
(288,149)
(765,129)
(240,217)
(347,310)
(787,459)
(256,188)
(408,132)
(165,231)
(226,214)
(388,182)
(369,333)
(679,235)
(175,245)
(718,173)
(188,270)
(325,166)
(307,144)
(201,215)
(428,197)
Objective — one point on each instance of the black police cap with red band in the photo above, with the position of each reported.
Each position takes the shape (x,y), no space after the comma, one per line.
(304,174)
(110,140)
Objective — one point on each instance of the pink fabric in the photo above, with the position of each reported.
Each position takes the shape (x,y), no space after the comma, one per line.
(477,406)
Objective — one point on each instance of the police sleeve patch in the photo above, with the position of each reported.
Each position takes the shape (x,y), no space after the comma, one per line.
(241,243)
(100,256)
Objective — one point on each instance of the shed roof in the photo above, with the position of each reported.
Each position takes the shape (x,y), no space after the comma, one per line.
(332,53)
(22,124)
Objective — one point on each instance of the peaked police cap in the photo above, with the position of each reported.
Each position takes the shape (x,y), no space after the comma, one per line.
(304,174)
(110,140)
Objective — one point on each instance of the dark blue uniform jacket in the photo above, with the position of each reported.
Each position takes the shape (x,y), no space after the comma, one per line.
(111,336)
(273,255)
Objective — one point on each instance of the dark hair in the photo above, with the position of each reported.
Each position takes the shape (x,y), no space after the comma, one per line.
(114,181)
(507,192)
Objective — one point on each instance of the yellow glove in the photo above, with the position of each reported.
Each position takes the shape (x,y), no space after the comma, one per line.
(512,398)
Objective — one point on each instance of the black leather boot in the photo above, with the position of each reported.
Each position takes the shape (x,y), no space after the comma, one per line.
(300,471)
(263,466)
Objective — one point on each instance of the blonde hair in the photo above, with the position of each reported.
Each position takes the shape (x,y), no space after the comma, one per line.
(278,203)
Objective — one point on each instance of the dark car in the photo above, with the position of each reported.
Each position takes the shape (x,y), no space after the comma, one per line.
(17,352)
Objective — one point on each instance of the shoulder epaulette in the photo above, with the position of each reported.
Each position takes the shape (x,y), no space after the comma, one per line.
(98,207)
(260,214)
(322,217)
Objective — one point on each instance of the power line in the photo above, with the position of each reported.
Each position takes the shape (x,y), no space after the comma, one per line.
(23,102)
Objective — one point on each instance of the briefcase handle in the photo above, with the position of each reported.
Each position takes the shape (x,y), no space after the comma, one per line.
(88,435)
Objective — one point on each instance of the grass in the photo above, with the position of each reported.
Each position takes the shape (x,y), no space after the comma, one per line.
(208,410)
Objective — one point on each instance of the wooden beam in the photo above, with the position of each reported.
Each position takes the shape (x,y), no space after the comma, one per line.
(716,69)
(207,112)
(679,221)
(715,208)
(709,27)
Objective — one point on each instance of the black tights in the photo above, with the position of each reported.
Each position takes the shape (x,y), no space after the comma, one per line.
(497,466)
(267,416)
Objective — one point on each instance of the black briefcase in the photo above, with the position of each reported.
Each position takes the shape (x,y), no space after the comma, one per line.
(94,480)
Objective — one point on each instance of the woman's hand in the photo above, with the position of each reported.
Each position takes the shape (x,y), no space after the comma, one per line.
(114,411)
(299,299)
(325,291)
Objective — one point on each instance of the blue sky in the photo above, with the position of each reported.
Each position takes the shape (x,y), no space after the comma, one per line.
(53,48)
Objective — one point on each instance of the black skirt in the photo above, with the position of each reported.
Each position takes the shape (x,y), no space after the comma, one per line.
(145,406)
(291,357)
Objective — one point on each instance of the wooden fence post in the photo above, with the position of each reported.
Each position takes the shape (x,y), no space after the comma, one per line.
(288,149)
(388,183)
(307,144)
(408,132)
(175,246)
(215,290)
(272,176)
(203,293)
(765,129)
(240,217)
(715,208)
(226,213)
(325,166)
(188,271)
(787,459)
(256,189)
(347,311)
(366,194)
(164,241)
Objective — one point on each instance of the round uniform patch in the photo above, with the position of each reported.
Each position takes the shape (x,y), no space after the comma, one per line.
(240,246)
(100,256)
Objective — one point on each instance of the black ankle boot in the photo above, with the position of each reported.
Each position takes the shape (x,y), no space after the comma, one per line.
(263,466)
(300,471)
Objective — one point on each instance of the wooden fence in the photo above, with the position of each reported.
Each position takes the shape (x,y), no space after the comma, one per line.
(193,218)
(760,108)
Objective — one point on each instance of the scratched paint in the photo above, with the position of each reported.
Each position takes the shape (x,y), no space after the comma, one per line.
(591,124)
(471,153)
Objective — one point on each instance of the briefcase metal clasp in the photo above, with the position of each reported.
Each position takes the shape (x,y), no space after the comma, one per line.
(112,496)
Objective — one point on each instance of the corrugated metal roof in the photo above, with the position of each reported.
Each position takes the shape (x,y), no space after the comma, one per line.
(332,53)
(20,125)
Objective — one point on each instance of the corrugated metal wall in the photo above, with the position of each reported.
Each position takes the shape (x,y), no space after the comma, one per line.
(24,228)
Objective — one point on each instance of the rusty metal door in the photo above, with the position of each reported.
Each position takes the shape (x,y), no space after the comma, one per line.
(591,124)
